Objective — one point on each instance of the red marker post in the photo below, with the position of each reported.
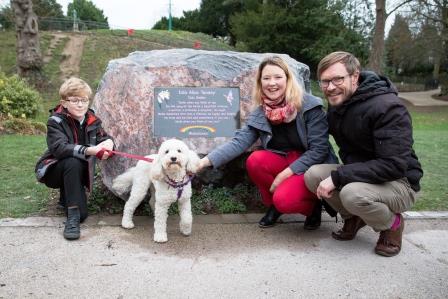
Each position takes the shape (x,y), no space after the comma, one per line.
(197,44)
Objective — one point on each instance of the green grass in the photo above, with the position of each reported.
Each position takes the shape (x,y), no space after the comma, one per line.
(8,52)
(100,47)
(430,144)
(51,72)
(104,45)
(20,193)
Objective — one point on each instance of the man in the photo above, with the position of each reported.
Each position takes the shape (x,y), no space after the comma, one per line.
(380,174)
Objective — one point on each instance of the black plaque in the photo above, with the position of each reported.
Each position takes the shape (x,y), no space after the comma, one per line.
(187,112)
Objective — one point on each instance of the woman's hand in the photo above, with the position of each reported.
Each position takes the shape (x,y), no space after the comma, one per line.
(204,162)
(286,173)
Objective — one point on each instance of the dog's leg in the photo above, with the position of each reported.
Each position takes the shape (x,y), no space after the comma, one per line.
(186,217)
(122,183)
(160,217)
(138,193)
(152,200)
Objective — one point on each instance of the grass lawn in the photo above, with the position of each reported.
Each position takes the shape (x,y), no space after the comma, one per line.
(20,194)
(430,144)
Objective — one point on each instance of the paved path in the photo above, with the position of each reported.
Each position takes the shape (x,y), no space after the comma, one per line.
(423,98)
(231,259)
(72,54)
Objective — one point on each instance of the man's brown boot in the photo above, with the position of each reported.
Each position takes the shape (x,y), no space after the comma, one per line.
(389,242)
(349,230)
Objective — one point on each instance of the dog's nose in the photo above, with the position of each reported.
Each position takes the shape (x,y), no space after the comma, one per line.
(173,159)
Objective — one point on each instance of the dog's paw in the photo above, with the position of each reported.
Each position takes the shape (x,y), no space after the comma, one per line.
(185,229)
(125,223)
(160,237)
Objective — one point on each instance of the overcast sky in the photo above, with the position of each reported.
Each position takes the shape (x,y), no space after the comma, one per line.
(135,14)
(138,14)
(142,14)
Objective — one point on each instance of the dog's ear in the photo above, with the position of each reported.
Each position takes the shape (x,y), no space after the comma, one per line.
(156,169)
(193,162)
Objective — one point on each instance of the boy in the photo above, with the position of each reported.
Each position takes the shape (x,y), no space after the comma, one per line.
(74,137)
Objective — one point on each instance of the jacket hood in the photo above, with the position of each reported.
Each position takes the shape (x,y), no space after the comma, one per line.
(371,84)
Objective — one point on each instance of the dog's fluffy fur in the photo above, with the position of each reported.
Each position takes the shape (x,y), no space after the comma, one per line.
(174,161)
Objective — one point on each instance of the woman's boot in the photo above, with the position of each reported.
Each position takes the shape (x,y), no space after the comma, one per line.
(270,218)
(312,222)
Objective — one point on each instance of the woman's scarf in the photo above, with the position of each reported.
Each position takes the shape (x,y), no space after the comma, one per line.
(278,110)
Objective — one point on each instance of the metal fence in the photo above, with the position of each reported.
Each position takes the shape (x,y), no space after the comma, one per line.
(68,24)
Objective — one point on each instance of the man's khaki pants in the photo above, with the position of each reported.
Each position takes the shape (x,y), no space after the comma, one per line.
(376,204)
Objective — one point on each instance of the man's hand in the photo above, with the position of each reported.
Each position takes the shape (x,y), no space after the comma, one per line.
(286,173)
(325,188)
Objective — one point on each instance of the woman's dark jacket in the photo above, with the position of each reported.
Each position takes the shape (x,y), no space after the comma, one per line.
(63,141)
(312,129)
(373,130)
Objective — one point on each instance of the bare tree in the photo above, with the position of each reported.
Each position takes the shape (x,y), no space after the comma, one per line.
(29,59)
(377,49)
(437,12)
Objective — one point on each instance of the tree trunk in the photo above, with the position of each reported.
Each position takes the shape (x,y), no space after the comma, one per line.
(436,68)
(376,52)
(444,59)
(29,59)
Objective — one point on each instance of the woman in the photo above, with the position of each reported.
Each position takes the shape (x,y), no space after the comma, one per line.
(293,130)
(74,137)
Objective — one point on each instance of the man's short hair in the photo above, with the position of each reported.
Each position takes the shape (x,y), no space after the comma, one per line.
(75,87)
(350,62)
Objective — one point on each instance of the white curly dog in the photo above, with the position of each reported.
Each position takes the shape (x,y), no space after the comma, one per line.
(169,179)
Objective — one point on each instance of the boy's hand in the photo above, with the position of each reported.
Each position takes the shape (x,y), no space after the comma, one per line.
(103,154)
(106,144)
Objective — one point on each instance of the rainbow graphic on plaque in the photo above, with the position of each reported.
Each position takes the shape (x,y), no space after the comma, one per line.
(188,128)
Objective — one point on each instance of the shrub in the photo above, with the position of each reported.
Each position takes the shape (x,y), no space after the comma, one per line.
(219,200)
(17,125)
(21,126)
(17,98)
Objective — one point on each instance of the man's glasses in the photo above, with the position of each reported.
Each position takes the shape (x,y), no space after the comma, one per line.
(336,81)
(77,100)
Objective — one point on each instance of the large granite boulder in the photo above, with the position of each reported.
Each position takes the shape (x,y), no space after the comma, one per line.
(125,97)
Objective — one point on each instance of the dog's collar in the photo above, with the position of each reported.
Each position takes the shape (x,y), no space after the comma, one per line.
(178,185)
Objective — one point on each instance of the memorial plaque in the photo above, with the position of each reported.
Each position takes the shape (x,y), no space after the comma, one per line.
(186,112)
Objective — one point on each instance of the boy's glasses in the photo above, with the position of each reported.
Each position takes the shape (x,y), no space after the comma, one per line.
(76,100)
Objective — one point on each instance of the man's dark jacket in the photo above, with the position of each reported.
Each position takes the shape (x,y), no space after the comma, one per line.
(373,130)
(63,141)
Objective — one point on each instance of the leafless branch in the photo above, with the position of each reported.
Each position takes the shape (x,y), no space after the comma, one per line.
(398,6)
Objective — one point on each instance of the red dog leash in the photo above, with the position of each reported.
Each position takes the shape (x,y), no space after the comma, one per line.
(100,154)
